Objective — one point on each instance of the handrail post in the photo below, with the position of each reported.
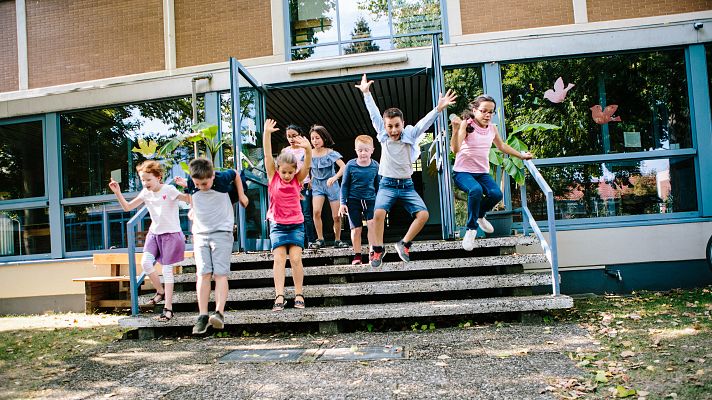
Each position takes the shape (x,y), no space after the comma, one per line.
(552,242)
(525,222)
(131,237)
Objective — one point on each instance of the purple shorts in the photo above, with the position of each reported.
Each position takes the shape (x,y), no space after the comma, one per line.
(167,248)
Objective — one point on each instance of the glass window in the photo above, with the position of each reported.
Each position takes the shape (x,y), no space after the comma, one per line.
(97,144)
(21,161)
(619,103)
(708,50)
(24,232)
(322,28)
(617,188)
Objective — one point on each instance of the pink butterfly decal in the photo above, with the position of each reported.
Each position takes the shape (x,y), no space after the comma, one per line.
(559,93)
(604,116)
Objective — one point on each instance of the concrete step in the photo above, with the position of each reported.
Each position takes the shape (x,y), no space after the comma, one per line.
(418,247)
(380,287)
(368,311)
(421,265)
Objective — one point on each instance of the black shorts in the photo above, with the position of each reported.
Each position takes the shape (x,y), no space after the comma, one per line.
(358,209)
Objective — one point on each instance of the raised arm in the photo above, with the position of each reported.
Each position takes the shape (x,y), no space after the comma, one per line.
(306,167)
(427,121)
(269,128)
(376,118)
(125,205)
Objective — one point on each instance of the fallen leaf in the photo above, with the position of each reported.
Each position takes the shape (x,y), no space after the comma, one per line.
(627,353)
(601,377)
(623,392)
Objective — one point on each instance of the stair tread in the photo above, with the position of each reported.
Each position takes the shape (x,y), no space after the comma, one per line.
(416,265)
(382,287)
(368,311)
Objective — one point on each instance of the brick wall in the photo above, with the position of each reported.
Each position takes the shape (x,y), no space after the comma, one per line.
(212,30)
(504,15)
(644,8)
(79,40)
(8,47)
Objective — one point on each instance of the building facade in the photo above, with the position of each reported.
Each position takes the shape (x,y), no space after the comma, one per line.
(84,83)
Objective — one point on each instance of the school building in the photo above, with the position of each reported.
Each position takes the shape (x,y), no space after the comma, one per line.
(83,83)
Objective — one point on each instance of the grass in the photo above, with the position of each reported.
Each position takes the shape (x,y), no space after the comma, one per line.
(30,357)
(652,345)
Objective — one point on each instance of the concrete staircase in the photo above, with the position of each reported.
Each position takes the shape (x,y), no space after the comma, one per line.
(441,280)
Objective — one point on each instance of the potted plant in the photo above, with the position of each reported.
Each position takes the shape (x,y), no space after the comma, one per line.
(500,218)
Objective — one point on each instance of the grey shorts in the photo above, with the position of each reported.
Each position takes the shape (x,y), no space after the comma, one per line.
(212,252)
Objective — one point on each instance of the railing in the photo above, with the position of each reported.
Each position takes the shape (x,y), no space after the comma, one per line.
(528,221)
(131,237)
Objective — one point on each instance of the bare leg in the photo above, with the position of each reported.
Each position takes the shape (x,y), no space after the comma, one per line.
(371,233)
(203,287)
(156,282)
(416,226)
(356,239)
(221,290)
(317,205)
(295,261)
(280,260)
(337,218)
(379,221)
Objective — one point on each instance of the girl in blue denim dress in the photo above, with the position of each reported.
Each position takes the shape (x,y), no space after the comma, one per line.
(325,183)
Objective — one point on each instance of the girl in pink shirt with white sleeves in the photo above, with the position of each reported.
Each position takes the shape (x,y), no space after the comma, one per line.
(471,142)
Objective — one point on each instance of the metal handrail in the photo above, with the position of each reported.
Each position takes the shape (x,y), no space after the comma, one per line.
(550,248)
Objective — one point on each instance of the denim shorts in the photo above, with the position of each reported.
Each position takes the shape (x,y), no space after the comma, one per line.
(320,188)
(390,190)
(358,209)
(286,235)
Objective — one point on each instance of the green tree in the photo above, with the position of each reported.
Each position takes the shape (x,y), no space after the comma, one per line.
(361,31)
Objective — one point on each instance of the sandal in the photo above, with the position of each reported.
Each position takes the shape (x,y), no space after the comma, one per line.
(156,299)
(299,303)
(165,316)
(317,244)
(279,306)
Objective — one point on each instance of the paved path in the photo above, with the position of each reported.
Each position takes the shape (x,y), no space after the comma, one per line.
(514,361)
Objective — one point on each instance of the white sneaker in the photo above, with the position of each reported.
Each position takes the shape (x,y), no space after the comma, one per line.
(468,243)
(485,225)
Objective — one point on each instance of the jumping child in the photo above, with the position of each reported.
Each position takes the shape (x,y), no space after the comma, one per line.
(471,143)
(399,150)
(165,242)
(285,214)
(358,193)
(325,184)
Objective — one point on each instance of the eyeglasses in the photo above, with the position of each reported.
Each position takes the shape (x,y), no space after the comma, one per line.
(485,112)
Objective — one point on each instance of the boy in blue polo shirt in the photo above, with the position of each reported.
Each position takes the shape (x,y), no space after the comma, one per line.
(399,148)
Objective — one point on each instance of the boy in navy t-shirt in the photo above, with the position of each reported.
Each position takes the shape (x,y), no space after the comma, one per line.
(225,182)
(358,193)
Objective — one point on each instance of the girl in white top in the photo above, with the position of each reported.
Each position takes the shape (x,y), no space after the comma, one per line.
(471,143)
(165,242)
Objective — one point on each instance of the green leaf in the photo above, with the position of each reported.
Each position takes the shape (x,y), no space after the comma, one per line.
(147,149)
(495,156)
(535,126)
(184,166)
(623,392)
(601,377)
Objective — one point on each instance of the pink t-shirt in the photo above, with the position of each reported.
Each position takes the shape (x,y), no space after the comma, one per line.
(284,205)
(473,156)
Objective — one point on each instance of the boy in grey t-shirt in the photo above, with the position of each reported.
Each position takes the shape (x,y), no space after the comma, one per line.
(399,150)
(213,221)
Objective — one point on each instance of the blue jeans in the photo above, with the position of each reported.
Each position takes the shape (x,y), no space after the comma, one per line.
(476,186)
(309,230)
(390,190)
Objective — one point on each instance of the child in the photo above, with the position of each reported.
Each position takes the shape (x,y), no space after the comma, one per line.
(285,215)
(325,184)
(399,150)
(292,132)
(165,242)
(213,221)
(358,193)
(471,143)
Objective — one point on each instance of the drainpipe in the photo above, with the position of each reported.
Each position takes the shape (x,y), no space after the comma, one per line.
(194,103)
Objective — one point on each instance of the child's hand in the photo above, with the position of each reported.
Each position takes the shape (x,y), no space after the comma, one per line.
(270,126)
(526,155)
(455,122)
(343,210)
(364,85)
(303,142)
(244,201)
(180,181)
(191,214)
(447,100)
(114,186)
(331,181)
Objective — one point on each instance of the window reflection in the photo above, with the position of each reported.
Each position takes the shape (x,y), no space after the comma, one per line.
(21,161)
(615,189)
(24,232)
(648,89)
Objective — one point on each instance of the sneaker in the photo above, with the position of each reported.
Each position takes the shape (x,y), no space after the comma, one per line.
(341,244)
(356,260)
(403,251)
(317,244)
(376,258)
(468,242)
(485,225)
(201,325)
(216,320)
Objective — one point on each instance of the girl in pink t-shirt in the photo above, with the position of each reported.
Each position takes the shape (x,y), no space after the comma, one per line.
(471,142)
(285,214)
